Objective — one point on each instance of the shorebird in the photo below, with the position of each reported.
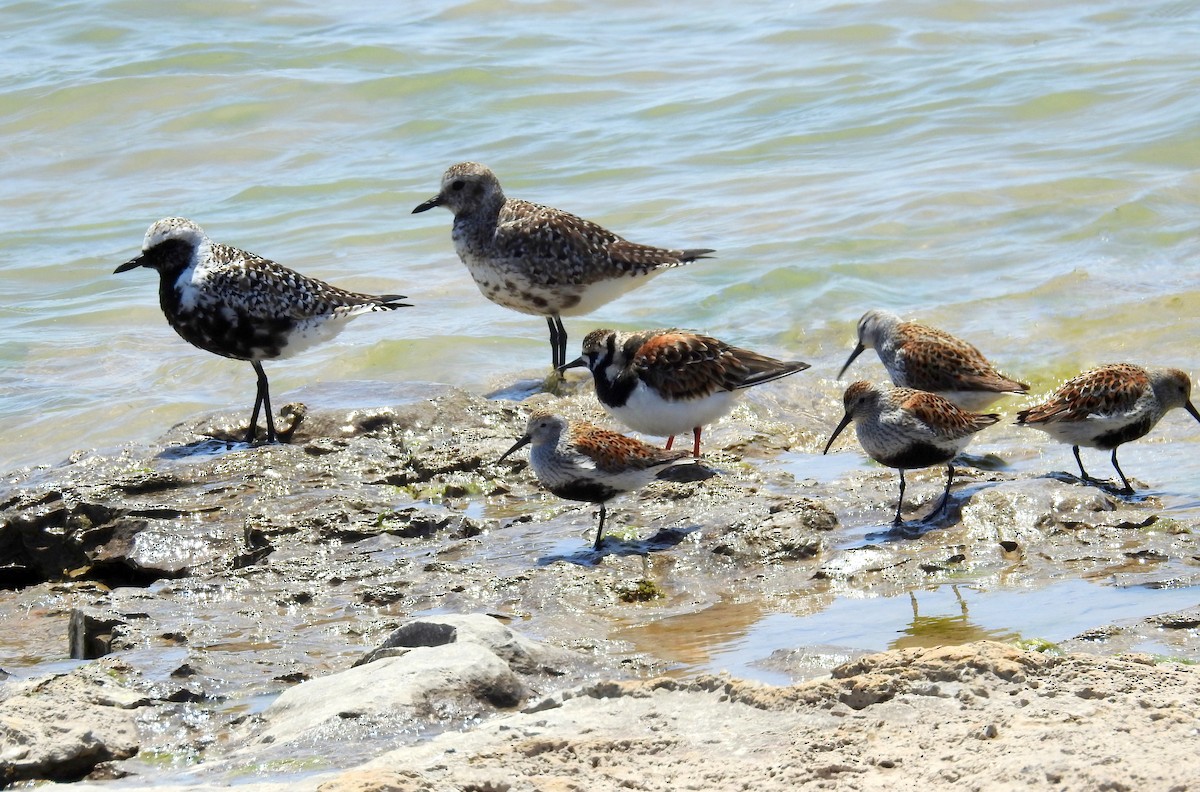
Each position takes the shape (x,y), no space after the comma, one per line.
(539,260)
(581,462)
(242,306)
(1108,406)
(666,382)
(906,429)
(928,359)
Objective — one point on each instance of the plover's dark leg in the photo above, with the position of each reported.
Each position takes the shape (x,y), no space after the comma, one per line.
(562,341)
(553,342)
(258,400)
(696,441)
(941,509)
(263,399)
(599,530)
(900,501)
(558,341)
(1125,481)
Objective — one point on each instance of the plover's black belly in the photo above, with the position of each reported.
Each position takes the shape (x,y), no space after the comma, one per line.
(1110,440)
(233,334)
(917,455)
(584,490)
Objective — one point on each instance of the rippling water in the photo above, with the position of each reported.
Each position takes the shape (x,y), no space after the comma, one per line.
(1025,174)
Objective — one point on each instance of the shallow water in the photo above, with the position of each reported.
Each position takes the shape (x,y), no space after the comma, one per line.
(1026,175)
(1023,175)
(737,638)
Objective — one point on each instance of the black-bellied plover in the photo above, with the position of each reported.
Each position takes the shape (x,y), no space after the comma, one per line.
(906,429)
(1108,406)
(578,461)
(667,382)
(539,260)
(239,305)
(929,359)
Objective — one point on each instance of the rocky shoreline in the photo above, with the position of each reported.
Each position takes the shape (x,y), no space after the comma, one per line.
(218,598)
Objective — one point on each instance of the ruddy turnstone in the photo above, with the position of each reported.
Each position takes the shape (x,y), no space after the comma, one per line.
(578,461)
(239,305)
(539,260)
(666,382)
(928,359)
(905,429)
(1108,406)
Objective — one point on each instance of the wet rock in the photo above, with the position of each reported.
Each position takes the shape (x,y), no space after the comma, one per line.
(444,668)
(60,728)
(90,637)
(522,654)
(378,781)
(449,682)
(67,537)
(792,530)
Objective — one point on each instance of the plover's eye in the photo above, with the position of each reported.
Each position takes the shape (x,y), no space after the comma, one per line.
(457,184)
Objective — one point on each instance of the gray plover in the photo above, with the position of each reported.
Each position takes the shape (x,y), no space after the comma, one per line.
(242,306)
(581,462)
(539,260)
(929,359)
(906,429)
(667,382)
(1108,406)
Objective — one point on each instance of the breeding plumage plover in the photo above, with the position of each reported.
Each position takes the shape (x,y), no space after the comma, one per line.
(667,382)
(239,305)
(1108,406)
(539,260)
(905,429)
(578,461)
(928,359)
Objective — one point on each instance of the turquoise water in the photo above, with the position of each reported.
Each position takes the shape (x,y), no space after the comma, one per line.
(1024,174)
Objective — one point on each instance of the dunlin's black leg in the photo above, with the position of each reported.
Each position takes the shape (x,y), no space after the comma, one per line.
(1125,481)
(941,509)
(900,501)
(599,530)
(1083,473)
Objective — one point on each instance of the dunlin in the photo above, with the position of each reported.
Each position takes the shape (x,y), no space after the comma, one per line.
(928,359)
(578,461)
(1108,406)
(666,382)
(539,260)
(239,305)
(906,429)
